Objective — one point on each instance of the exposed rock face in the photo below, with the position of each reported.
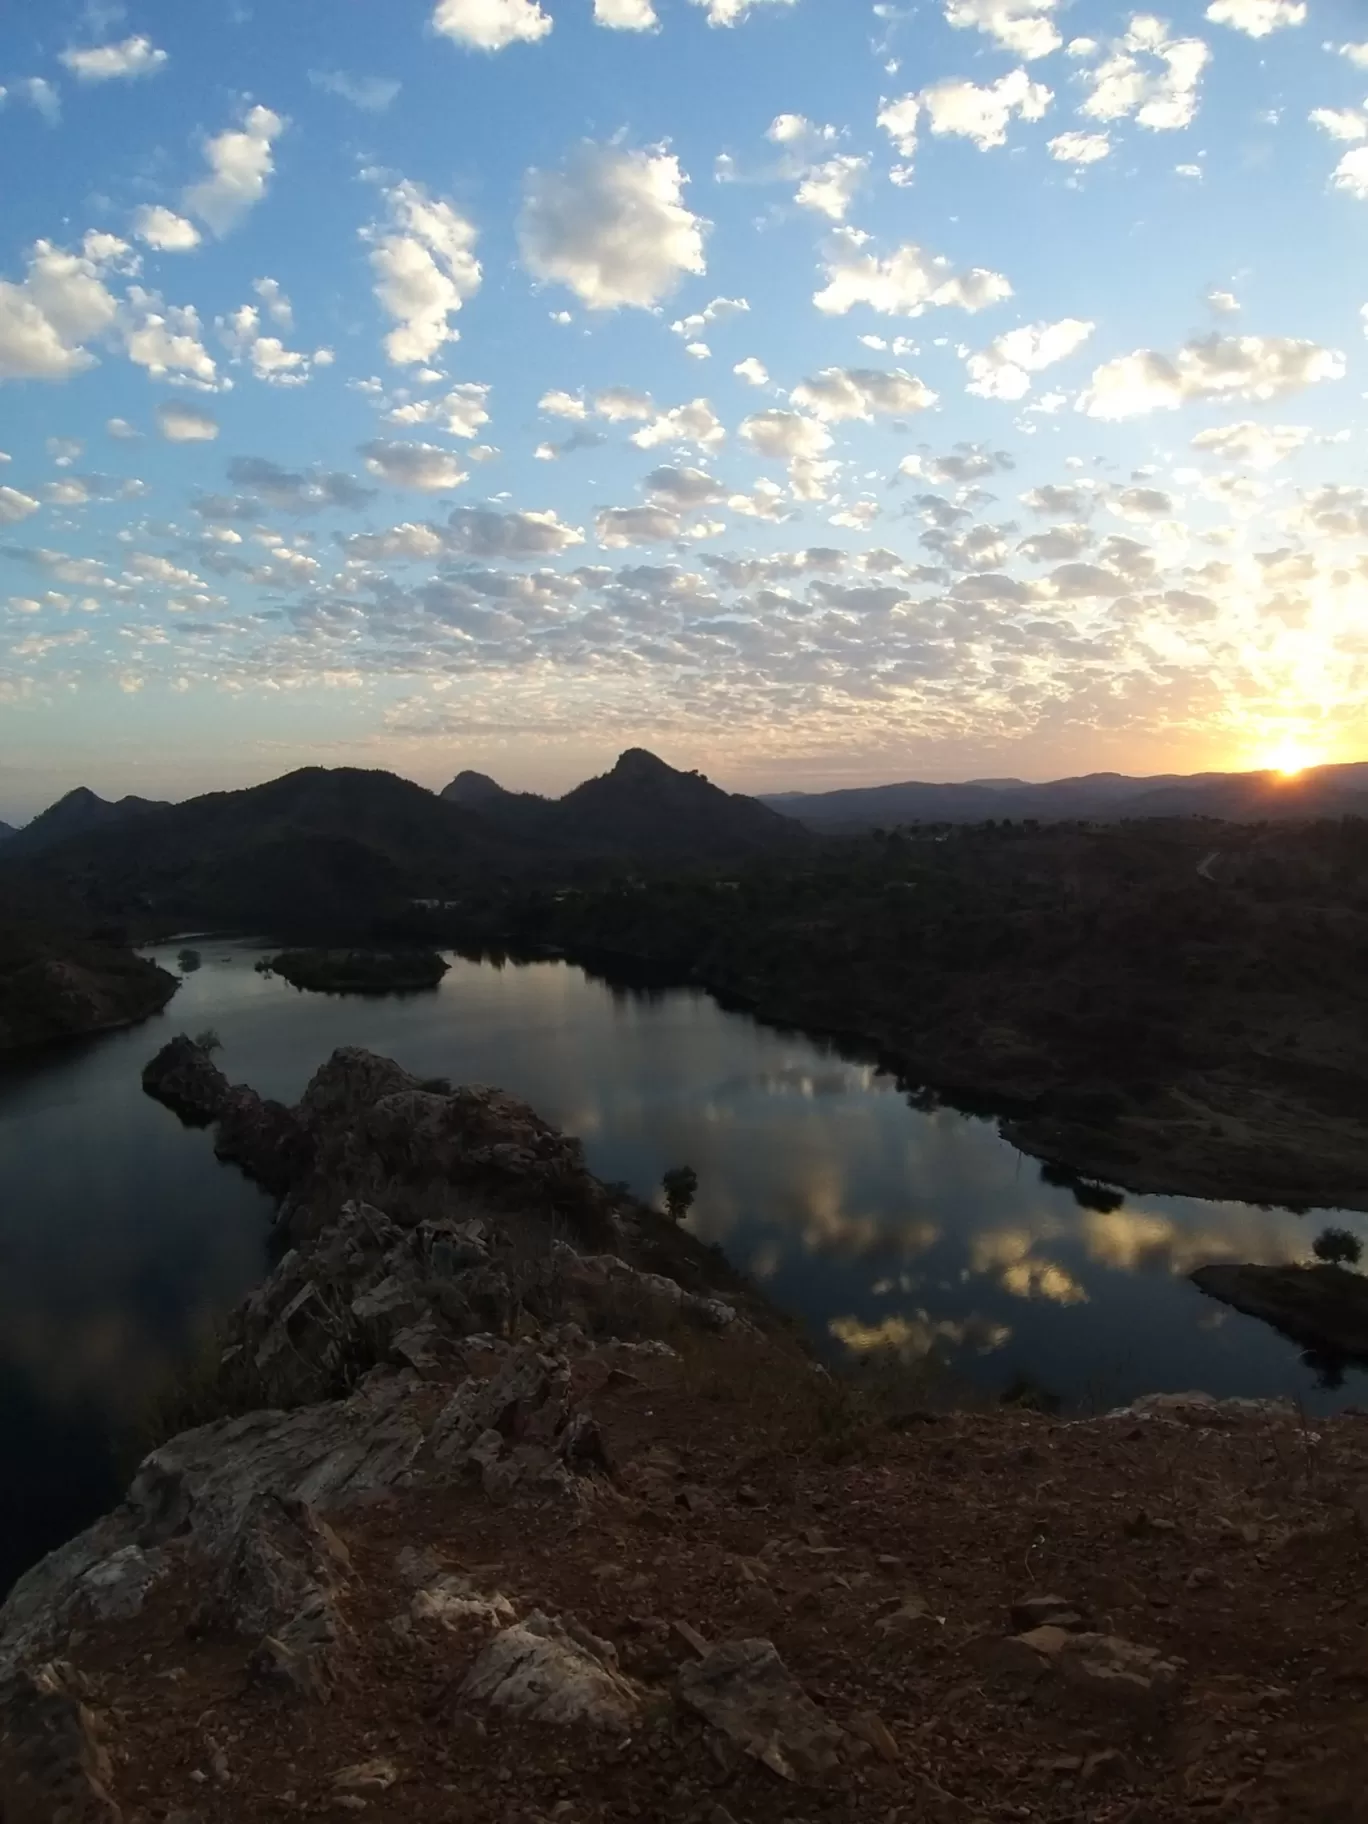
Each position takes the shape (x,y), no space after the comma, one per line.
(744,1689)
(264,1138)
(185,1077)
(54,1768)
(554,1672)
(1319,1307)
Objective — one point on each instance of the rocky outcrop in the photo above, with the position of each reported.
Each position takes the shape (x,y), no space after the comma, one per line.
(264,1138)
(54,1767)
(1323,1308)
(744,1689)
(554,1671)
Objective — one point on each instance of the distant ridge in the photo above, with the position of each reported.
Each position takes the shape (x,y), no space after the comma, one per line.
(1323,791)
(473,789)
(77,814)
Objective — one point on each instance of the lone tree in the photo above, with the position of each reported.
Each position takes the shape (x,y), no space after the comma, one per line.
(680,1187)
(1337,1248)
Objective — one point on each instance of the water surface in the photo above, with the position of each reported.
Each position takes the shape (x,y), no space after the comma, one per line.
(881,1225)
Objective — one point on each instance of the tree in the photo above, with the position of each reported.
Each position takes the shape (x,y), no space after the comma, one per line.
(208,1040)
(680,1186)
(1337,1248)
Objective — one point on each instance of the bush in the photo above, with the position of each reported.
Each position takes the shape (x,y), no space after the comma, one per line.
(208,1040)
(680,1186)
(1337,1248)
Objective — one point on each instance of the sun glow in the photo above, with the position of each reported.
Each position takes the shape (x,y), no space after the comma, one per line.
(1290,759)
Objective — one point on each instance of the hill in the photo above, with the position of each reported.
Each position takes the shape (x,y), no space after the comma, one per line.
(6,831)
(80,813)
(1323,791)
(331,851)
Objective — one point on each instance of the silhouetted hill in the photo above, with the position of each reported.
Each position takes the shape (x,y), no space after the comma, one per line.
(646,809)
(78,814)
(336,849)
(1324,791)
(474,789)
(6,831)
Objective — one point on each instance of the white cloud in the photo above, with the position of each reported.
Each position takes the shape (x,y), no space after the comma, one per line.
(615,527)
(562,405)
(491,25)
(1351,173)
(829,188)
(626,15)
(730,12)
(182,423)
(240,162)
(484,532)
(1357,55)
(1211,367)
(372,94)
(61,304)
(425,269)
(1080,148)
(106,62)
(423,466)
(41,95)
(620,404)
(163,229)
(1341,123)
(1149,76)
(1223,302)
(612,225)
(166,340)
(695,423)
(460,413)
(1024,27)
(1003,370)
(841,393)
(684,488)
(716,312)
(268,356)
(1256,446)
(15,506)
(785,436)
(905,284)
(983,115)
(1257,18)
(753,372)
(122,430)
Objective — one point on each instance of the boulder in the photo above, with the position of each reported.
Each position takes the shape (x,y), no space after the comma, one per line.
(54,1768)
(283,1556)
(186,1079)
(554,1671)
(517,1430)
(744,1689)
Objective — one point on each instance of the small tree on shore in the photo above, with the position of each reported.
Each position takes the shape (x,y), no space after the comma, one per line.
(681,1187)
(1337,1248)
(208,1040)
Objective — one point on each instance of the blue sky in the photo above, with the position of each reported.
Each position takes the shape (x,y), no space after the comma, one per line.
(815,392)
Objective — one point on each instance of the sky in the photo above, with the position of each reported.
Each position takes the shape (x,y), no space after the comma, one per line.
(814,392)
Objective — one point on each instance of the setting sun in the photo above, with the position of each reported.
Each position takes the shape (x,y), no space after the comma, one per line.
(1291,760)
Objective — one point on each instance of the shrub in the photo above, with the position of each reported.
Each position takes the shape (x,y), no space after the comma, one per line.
(208,1040)
(680,1186)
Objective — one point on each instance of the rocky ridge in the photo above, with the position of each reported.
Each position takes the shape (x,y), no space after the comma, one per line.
(499,1520)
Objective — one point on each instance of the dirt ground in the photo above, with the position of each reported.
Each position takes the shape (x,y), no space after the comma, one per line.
(882,1560)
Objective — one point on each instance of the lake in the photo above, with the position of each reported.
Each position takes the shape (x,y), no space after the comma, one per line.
(881,1225)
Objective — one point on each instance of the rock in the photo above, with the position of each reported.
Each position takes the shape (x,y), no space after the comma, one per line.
(1145,1526)
(554,1672)
(118,1586)
(307,1656)
(1202,1409)
(54,1769)
(367,1776)
(451,1599)
(184,1076)
(744,1689)
(600,1286)
(282,1557)
(1042,1611)
(871,1728)
(1100,1665)
(517,1430)
(693,1640)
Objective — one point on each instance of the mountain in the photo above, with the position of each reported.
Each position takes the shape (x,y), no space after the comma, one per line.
(646,809)
(642,811)
(6,831)
(473,789)
(78,814)
(1324,791)
(334,849)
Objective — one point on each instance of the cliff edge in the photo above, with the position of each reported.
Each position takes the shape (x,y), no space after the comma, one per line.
(511,1504)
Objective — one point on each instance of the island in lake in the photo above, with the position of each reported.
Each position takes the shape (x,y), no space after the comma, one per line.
(359,971)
